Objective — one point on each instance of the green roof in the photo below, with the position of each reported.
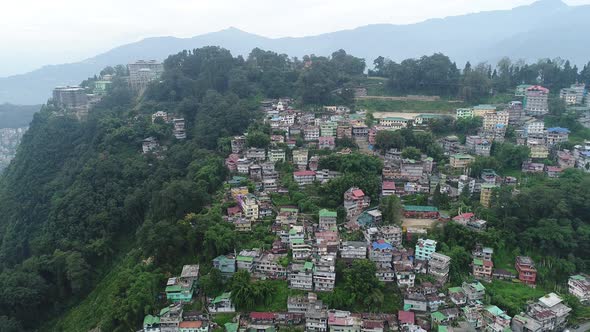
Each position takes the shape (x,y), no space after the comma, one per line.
(297,241)
(328,213)
(462,156)
(437,315)
(420,208)
(151,320)
(164,311)
(245,259)
(231,327)
(488,185)
(455,289)
(578,277)
(395,118)
(222,297)
(308,265)
(173,288)
(477,261)
(478,286)
(442,328)
(494,310)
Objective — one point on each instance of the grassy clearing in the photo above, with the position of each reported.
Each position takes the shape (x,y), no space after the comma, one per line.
(440,106)
(223,318)
(512,296)
(278,301)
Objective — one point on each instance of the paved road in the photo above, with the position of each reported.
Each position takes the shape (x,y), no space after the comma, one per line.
(583,328)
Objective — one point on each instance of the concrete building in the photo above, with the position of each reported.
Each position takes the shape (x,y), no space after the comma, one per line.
(303,178)
(73,99)
(424,249)
(327,219)
(535,101)
(527,273)
(301,276)
(324,273)
(486,194)
(461,161)
(355,201)
(353,250)
(438,266)
(579,286)
(547,314)
(556,135)
(142,72)
(179,131)
(300,158)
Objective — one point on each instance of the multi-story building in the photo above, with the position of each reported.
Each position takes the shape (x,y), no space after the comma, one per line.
(487,190)
(411,170)
(258,154)
(388,188)
(160,115)
(492,120)
(527,273)
(521,90)
(538,150)
(343,130)
(481,110)
(474,290)
(276,155)
(269,266)
(404,273)
(482,263)
(438,266)
(301,276)
(355,201)
(249,205)
(327,142)
(343,321)
(535,101)
(394,122)
(324,273)
(424,249)
(179,129)
(463,113)
(300,158)
(142,72)
(579,286)
(533,126)
(556,135)
(328,129)
(460,161)
(547,314)
(327,219)
(360,131)
(226,264)
(311,133)
(71,98)
(303,178)
(353,250)
(238,143)
(246,259)
(495,319)
(316,318)
(569,96)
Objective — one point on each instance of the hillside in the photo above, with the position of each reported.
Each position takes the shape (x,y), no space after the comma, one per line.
(525,32)
(16,116)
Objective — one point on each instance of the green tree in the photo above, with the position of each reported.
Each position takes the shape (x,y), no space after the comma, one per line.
(411,153)
(392,210)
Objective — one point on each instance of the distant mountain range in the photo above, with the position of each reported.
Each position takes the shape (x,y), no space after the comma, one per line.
(545,29)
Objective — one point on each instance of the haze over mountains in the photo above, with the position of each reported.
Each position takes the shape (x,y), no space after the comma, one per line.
(547,28)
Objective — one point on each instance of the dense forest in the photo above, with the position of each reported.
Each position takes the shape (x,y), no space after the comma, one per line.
(83,212)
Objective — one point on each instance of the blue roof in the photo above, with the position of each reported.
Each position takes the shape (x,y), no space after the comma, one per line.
(382,246)
(558,130)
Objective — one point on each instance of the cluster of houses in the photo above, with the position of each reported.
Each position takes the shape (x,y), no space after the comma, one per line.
(150,145)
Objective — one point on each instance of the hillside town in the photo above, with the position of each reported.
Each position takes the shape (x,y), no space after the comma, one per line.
(308,249)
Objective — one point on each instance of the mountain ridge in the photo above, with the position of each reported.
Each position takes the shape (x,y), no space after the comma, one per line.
(527,32)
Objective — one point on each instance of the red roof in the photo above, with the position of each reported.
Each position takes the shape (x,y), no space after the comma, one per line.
(467,215)
(388,185)
(488,263)
(233,210)
(372,324)
(538,88)
(553,169)
(406,317)
(358,193)
(262,315)
(303,173)
(187,324)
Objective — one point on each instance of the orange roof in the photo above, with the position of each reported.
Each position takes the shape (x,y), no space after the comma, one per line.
(186,324)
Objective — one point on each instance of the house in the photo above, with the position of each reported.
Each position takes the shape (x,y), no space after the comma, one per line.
(327,142)
(530,167)
(369,325)
(463,218)
(242,224)
(369,218)
(406,318)
(438,266)
(257,154)
(303,178)
(151,323)
(328,129)
(424,249)
(179,131)
(464,113)
(460,161)
(482,269)
(270,266)
(355,201)
(276,155)
(415,302)
(249,205)
(311,133)
(390,233)
(222,303)
(170,317)
(565,159)
(300,303)
(548,313)
(404,273)
(579,286)
(557,135)
(477,225)
(327,219)
(353,250)
(324,273)
(237,144)
(495,319)
(474,290)
(316,317)
(481,110)
(301,276)
(300,158)
(245,259)
(193,326)
(343,321)
(381,252)
(149,144)
(527,273)
(388,188)
(457,296)
(486,194)
(343,130)
(226,264)
(421,212)
(535,101)
(177,292)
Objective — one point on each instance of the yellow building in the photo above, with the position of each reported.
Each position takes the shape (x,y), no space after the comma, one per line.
(239,191)
(461,161)
(486,194)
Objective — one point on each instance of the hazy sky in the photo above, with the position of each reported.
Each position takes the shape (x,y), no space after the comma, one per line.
(39,32)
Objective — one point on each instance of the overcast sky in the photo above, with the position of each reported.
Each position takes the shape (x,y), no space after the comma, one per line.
(39,32)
